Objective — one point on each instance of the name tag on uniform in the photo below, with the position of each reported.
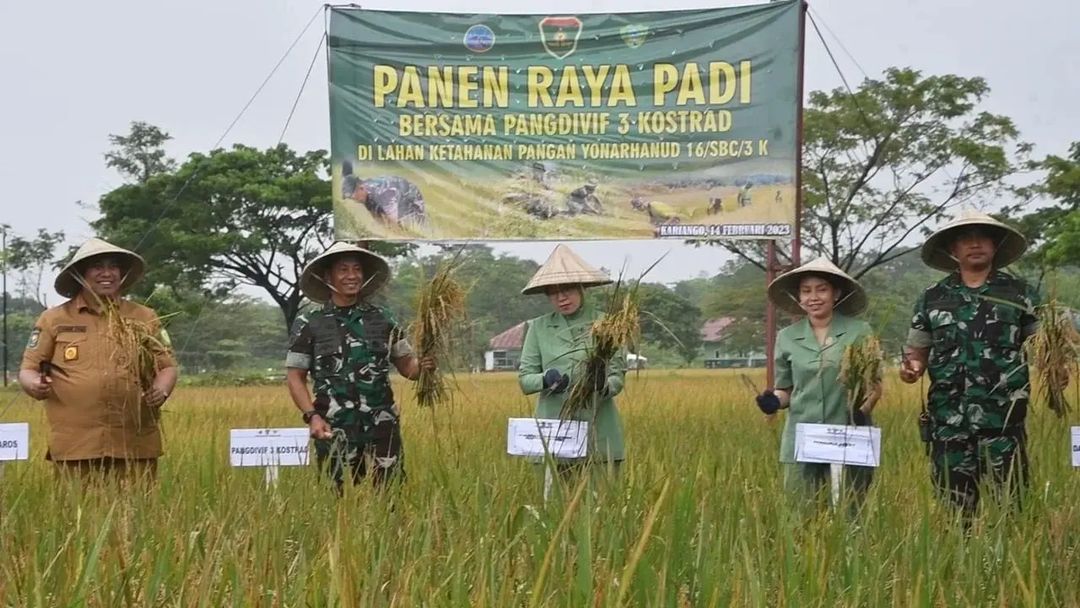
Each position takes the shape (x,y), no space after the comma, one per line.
(838,444)
(268,447)
(14,441)
(1076,446)
(541,436)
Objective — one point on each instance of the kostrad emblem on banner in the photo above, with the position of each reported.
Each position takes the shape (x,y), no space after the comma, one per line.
(560,35)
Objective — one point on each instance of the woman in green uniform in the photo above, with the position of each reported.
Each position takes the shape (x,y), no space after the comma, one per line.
(807,362)
(555,348)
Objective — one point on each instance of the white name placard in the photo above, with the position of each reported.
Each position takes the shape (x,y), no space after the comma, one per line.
(14,441)
(540,436)
(838,444)
(1076,446)
(268,447)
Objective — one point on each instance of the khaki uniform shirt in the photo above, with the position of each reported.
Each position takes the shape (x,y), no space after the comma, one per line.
(95,408)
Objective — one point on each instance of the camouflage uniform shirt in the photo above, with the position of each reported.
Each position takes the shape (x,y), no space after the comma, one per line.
(395,199)
(979,379)
(349,351)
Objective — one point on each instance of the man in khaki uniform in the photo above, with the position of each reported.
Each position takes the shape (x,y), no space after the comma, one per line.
(101,420)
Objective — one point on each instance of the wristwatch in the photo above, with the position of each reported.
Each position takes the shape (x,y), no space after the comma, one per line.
(308,415)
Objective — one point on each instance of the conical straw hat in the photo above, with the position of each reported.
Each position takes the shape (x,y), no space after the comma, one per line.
(564,267)
(784,290)
(376,272)
(69,286)
(1009,242)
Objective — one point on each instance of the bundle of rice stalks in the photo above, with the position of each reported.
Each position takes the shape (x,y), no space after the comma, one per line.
(619,328)
(860,369)
(440,310)
(135,344)
(1054,350)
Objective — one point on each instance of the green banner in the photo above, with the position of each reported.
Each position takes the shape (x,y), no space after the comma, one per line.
(636,125)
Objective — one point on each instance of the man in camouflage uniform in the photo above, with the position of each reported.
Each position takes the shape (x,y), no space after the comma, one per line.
(584,200)
(391,199)
(968,330)
(348,346)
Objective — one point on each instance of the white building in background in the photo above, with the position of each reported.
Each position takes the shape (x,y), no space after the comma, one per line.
(636,361)
(715,349)
(504,350)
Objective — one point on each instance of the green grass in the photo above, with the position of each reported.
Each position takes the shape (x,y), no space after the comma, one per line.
(695,517)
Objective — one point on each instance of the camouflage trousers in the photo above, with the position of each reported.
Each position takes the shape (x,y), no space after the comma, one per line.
(358,438)
(960,465)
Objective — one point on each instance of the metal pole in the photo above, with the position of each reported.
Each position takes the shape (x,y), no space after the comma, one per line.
(3,252)
(771,262)
(770,316)
(796,242)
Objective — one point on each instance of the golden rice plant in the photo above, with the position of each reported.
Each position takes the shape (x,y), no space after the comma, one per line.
(440,310)
(860,369)
(618,329)
(1053,350)
(135,344)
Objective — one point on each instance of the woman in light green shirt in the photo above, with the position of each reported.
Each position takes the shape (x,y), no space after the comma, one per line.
(556,346)
(807,362)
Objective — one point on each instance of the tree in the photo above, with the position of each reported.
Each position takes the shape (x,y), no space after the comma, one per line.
(239,216)
(30,258)
(670,320)
(1061,221)
(140,154)
(883,162)
(738,292)
(209,333)
(893,289)
(494,284)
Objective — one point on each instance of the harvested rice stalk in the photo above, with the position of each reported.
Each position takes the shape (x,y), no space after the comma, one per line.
(860,369)
(440,311)
(135,344)
(619,328)
(1053,350)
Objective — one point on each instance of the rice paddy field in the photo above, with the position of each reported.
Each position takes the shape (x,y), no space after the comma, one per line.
(695,517)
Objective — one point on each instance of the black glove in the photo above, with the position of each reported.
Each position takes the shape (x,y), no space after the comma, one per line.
(859,418)
(768,402)
(556,381)
(601,379)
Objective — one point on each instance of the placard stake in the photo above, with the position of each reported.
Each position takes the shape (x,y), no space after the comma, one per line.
(272,475)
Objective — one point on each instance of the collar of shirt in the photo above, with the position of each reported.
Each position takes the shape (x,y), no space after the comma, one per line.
(805,337)
(996,277)
(570,329)
(80,304)
(345,310)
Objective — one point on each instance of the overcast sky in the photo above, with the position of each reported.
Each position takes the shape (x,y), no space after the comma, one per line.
(74,72)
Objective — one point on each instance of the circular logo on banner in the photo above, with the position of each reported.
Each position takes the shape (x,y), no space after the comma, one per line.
(634,35)
(479,38)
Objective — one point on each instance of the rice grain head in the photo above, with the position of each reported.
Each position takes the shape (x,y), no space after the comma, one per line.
(1054,350)
(618,329)
(440,310)
(860,369)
